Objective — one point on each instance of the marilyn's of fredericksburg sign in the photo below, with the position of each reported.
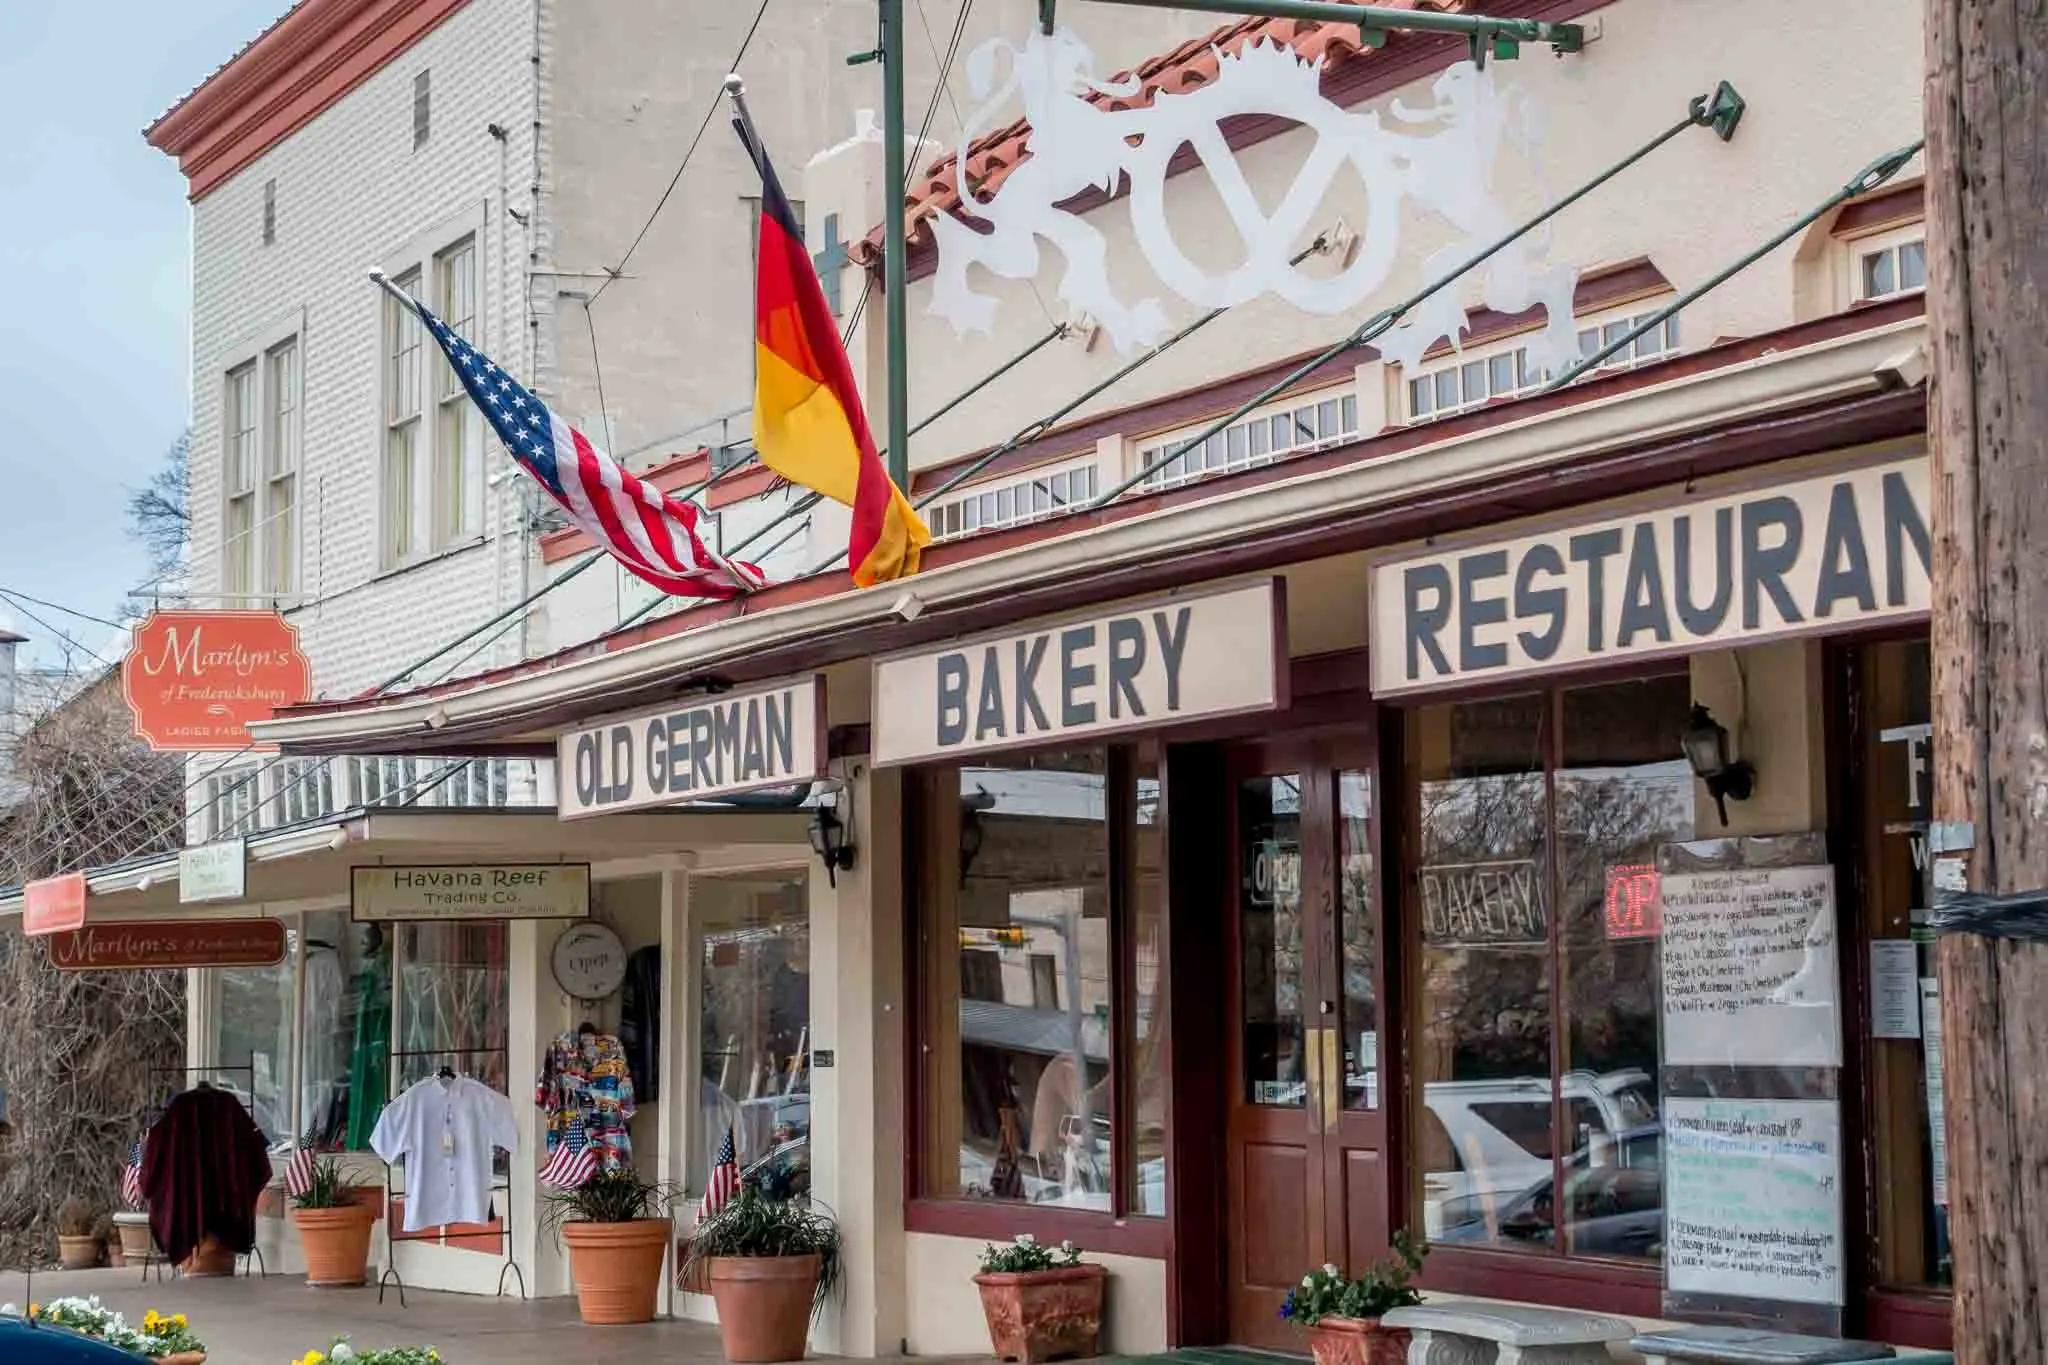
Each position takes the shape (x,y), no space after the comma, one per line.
(1824,552)
(1200,654)
(768,735)
(502,891)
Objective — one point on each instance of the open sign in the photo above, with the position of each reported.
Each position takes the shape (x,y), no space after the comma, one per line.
(1633,909)
(1275,874)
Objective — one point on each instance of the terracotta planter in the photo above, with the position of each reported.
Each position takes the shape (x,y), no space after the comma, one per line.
(136,1243)
(1039,1315)
(336,1243)
(1357,1341)
(617,1268)
(211,1259)
(117,1255)
(764,1305)
(183,1358)
(78,1253)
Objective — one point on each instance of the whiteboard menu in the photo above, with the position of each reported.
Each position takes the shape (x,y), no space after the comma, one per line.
(1753,1199)
(1750,977)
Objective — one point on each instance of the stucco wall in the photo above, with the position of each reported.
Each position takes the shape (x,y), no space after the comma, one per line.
(945,1307)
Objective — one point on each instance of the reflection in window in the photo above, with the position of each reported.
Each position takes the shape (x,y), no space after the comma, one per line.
(1270,928)
(345,1025)
(1018,1080)
(1148,923)
(1361,994)
(755,1039)
(452,1002)
(253,1043)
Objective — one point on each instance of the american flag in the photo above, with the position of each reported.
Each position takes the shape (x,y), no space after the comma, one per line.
(652,534)
(570,1166)
(298,1172)
(131,1176)
(725,1179)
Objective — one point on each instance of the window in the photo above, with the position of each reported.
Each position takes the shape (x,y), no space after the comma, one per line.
(230,804)
(270,213)
(754,1029)
(280,468)
(453,1002)
(344,1031)
(238,535)
(403,338)
(1895,268)
(421,110)
(252,1043)
(456,437)
(1477,378)
(1032,498)
(1293,428)
(1043,967)
(1516,797)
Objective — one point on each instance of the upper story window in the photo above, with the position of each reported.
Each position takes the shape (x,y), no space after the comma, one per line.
(1478,375)
(1891,264)
(260,441)
(422,110)
(269,213)
(430,473)
(1292,426)
(1037,495)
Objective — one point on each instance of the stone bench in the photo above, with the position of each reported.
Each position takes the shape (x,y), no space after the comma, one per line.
(1752,1346)
(1507,1334)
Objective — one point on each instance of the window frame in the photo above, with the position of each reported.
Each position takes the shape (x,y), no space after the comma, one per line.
(1294,414)
(417,266)
(253,354)
(1887,241)
(1120,1229)
(1452,369)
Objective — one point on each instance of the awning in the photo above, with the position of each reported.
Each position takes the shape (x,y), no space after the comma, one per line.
(306,867)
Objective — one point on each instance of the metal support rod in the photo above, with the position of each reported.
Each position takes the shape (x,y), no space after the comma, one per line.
(1704,112)
(1562,37)
(895,247)
(1866,180)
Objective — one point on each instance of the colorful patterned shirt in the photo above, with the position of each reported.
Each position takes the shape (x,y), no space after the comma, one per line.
(586,1091)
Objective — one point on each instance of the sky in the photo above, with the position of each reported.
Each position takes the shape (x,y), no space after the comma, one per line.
(95,374)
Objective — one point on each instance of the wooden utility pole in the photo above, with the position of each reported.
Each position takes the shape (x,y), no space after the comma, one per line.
(1987,303)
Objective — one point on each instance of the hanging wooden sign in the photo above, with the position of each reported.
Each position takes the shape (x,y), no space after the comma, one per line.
(196,679)
(149,946)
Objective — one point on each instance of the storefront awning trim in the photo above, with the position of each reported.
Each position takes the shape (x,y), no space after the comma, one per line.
(1839,368)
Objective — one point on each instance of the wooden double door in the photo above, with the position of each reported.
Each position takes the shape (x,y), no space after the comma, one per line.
(1310,1170)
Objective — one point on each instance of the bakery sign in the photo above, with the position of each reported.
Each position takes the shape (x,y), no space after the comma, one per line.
(697,749)
(1820,553)
(1195,655)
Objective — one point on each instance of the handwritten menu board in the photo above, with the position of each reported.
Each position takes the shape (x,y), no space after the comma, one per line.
(1753,1199)
(1750,977)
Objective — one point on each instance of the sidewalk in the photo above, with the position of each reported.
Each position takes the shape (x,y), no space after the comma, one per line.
(275,1321)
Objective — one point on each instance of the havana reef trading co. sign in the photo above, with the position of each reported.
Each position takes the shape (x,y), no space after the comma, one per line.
(771,735)
(1824,552)
(505,891)
(1156,663)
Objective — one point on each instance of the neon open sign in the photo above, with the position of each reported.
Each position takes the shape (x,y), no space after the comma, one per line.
(1633,910)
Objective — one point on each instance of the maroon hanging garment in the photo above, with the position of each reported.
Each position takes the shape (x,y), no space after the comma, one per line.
(204,1167)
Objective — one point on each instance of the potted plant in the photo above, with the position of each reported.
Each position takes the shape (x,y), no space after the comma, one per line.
(77,1248)
(341,1353)
(771,1264)
(132,1226)
(103,1233)
(165,1340)
(617,1229)
(1343,1316)
(334,1229)
(1041,1303)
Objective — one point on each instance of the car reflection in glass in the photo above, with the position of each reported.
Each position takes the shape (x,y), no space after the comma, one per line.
(1614,1201)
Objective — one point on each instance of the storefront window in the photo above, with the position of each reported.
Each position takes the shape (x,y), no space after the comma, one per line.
(755,1081)
(453,1001)
(252,1053)
(1504,1131)
(1270,928)
(345,1027)
(1356,921)
(1148,983)
(1018,1016)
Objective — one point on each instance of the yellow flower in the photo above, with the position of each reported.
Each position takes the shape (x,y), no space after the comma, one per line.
(35,1310)
(179,1321)
(150,1320)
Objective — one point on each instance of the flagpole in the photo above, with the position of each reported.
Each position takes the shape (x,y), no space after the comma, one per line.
(895,244)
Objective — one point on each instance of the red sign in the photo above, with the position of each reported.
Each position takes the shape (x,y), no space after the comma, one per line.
(143,946)
(196,679)
(1633,910)
(53,905)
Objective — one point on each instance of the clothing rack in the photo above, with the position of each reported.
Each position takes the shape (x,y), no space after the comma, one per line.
(390,1274)
(246,1259)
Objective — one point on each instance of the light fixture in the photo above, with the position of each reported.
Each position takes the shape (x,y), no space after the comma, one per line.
(1706,748)
(908,607)
(828,841)
(437,716)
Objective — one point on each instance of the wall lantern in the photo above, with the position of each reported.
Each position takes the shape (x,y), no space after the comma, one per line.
(828,841)
(1706,748)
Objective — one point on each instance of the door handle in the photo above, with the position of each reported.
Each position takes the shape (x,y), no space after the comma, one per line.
(1312,1044)
(1333,1080)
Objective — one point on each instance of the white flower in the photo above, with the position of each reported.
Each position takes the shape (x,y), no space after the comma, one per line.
(1330,1270)
(1308,1282)
(1068,1247)
(1025,1239)
(342,1352)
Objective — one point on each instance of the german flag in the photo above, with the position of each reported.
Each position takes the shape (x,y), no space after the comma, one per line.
(808,422)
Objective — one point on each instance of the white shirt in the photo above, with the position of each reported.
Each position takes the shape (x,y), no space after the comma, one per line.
(444,1130)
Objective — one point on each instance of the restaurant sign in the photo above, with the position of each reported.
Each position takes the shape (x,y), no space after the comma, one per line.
(1191,656)
(143,945)
(505,891)
(702,748)
(1829,551)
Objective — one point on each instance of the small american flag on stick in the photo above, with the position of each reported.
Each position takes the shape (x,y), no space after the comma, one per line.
(131,1176)
(652,534)
(569,1167)
(298,1172)
(725,1179)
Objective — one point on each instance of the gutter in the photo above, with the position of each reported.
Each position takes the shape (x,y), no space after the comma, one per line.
(1859,364)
